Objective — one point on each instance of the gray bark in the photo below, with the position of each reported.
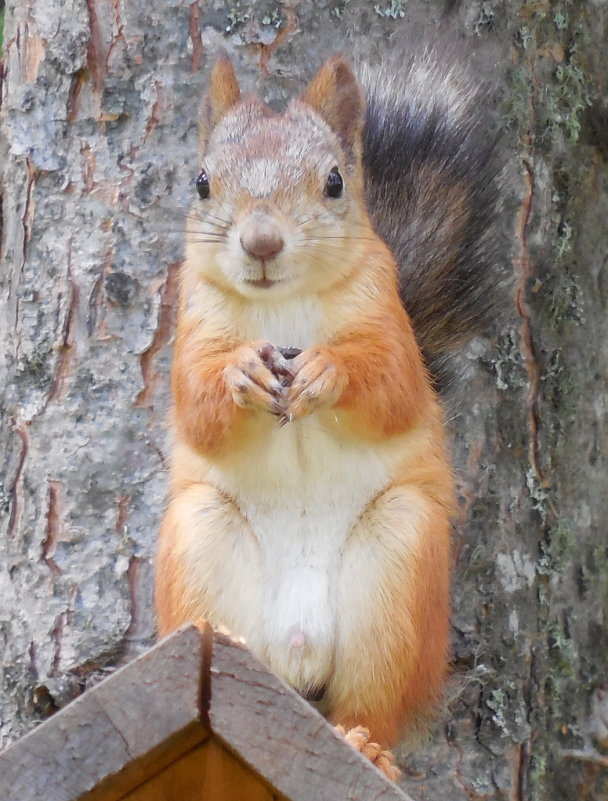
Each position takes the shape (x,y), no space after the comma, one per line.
(98,120)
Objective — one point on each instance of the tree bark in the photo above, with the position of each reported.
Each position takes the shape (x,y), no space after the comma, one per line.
(98,117)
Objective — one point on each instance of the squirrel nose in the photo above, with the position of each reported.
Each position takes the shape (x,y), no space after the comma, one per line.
(261,237)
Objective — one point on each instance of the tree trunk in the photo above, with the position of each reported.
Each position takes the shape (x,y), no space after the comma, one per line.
(99,110)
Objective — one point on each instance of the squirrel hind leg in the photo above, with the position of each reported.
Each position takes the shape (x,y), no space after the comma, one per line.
(393,684)
(205,560)
(359,739)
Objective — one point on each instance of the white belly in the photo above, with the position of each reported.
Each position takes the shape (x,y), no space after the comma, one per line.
(301,491)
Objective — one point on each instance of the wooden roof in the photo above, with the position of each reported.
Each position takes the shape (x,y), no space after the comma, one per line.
(196,717)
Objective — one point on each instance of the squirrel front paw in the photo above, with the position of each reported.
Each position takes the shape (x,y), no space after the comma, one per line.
(317,383)
(257,376)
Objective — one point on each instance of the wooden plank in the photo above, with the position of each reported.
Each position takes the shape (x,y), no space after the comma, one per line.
(140,719)
(208,772)
(282,737)
(144,719)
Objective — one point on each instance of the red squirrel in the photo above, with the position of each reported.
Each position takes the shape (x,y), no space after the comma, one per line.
(311,489)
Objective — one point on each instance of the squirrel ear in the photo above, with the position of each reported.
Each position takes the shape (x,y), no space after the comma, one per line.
(222,95)
(335,95)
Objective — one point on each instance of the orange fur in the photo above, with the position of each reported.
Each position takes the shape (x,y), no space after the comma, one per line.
(387,390)
(224,94)
(336,96)
(396,668)
(204,414)
(359,388)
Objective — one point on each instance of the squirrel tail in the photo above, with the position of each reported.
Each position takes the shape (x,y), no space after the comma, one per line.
(431,167)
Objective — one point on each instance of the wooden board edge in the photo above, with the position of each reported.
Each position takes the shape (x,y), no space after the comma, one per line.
(269,726)
(149,709)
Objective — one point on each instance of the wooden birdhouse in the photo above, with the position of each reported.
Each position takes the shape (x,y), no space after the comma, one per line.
(196,718)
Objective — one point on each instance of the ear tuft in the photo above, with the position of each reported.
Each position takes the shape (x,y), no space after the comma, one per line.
(334,93)
(222,95)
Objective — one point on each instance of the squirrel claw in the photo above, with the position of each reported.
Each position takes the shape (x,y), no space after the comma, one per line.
(359,739)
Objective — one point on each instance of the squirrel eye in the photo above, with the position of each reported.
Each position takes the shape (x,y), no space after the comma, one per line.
(202,185)
(335,184)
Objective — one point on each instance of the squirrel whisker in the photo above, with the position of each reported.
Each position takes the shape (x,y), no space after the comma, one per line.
(343,238)
(311,218)
(198,217)
(205,241)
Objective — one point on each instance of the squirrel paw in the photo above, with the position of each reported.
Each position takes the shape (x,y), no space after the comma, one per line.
(317,383)
(358,738)
(256,378)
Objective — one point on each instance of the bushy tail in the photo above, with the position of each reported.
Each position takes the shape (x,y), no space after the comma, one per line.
(431,184)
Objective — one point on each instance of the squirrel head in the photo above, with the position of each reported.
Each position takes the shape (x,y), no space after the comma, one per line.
(280,207)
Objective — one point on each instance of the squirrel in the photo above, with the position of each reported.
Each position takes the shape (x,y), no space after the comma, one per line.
(311,487)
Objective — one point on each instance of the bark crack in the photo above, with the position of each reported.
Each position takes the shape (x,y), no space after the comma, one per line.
(525,274)
(522,772)
(533,372)
(26,222)
(153,118)
(17,488)
(62,365)
(118,37)
(528,350)
(195,36)
(468,791)
(53,516)
(96,319)
(121,517)
(162,334)
(134,563)
(96,52)
(291,25)
(79,80)
(56,635)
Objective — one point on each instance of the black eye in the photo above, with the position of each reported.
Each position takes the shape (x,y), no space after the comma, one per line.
(202,185)
(335,184)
